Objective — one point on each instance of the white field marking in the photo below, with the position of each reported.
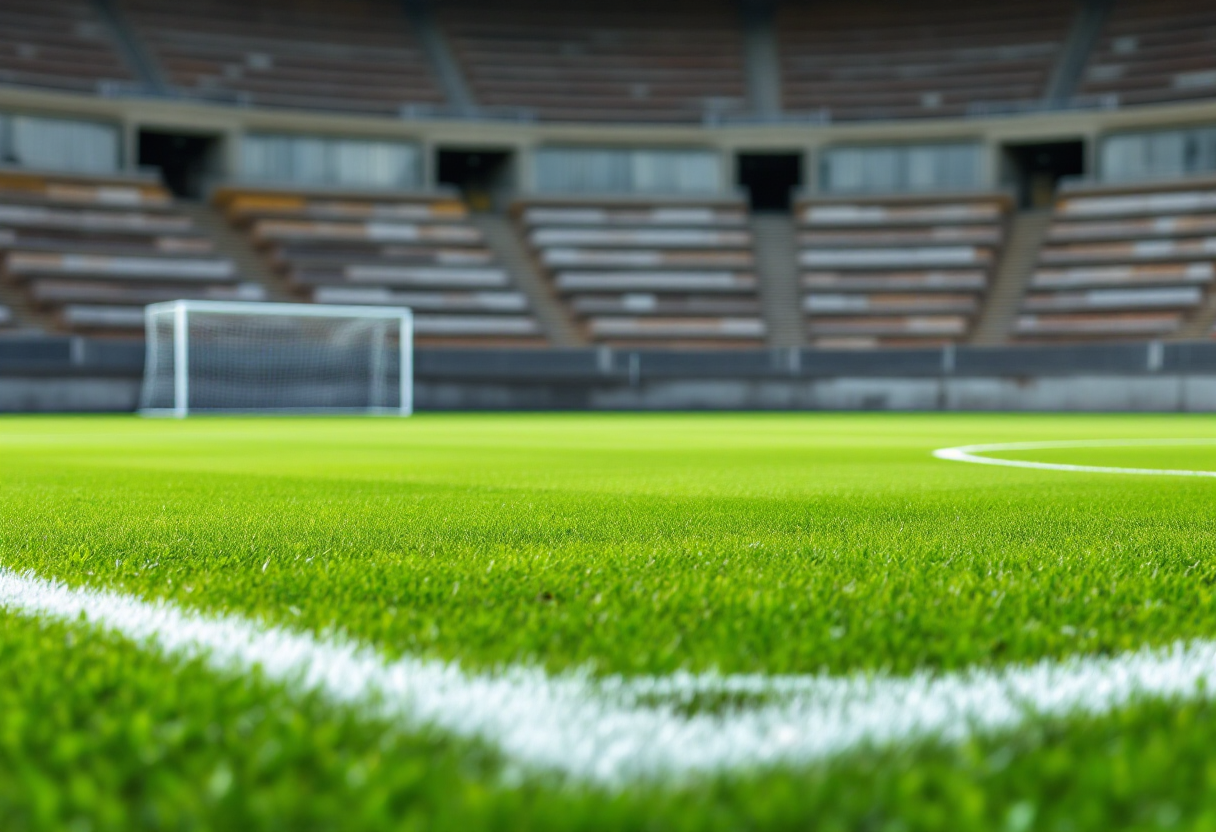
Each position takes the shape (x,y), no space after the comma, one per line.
(968,453)
(611,732)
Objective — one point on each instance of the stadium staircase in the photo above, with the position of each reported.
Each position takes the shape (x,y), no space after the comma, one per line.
(1026,232)
(231,243)
(1202,324)
(777,265)
(762,61)
(443,63)
(509,250)
(139,60)
(1074,57)
(17,312)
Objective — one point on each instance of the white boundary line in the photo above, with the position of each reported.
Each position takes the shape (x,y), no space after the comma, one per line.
(968,453)
(614,731)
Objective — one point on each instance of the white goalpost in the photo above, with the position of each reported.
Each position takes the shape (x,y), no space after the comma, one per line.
(244,357)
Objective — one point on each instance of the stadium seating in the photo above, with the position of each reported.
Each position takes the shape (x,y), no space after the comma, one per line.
(359,56)
(893,271)
(417,251)
(877,59)
(1155,51)
(1117,262)
(60,45)
(628,60)
(650,272)
(633,61)
(92,252)
(1123,262)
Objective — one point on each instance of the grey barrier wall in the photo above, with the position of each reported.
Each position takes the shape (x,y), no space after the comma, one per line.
(86,374)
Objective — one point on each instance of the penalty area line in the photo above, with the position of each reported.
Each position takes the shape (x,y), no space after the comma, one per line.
(619,730)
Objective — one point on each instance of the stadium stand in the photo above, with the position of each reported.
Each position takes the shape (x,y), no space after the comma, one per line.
(419,251)
(1118,262)
(1127,262)
(647,271)
(875,59)
(1155,51)
(359,56)
(896,271)
(627,60)
(60,45)
(92,251)
(631,62)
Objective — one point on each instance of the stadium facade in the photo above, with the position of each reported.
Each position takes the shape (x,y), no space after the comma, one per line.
(857,205)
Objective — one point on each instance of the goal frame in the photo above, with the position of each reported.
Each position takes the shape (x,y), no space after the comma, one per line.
(181,310)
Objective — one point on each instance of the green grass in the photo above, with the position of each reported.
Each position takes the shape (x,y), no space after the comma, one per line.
(627,544)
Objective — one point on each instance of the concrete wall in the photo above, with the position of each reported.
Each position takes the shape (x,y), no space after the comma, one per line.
(78,374)
(1165,393)
(68,395)
(231,122)
(1079,393)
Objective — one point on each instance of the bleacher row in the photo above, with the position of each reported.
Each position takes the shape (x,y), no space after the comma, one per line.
(357,55)
(419,252)
(904,271)
(91,253)
(59,45)
(677,60)
(86,254)
(630,60)
(640,273)
(1133,262)
(861,60)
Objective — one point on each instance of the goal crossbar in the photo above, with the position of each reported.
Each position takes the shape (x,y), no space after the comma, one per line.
(183,313)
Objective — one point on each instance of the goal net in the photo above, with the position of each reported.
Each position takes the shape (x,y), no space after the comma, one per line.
(214,357)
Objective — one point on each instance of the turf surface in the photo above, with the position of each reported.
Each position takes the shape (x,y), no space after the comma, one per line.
(627,544)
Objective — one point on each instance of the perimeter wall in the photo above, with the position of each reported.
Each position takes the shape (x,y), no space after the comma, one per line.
(78,374)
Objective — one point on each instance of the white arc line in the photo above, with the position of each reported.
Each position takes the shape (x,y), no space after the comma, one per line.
(611,732)
(968,453)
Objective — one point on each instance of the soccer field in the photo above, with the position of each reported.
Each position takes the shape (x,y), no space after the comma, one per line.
(607,621)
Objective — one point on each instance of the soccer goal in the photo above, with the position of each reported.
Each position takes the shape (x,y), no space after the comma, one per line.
(233,357)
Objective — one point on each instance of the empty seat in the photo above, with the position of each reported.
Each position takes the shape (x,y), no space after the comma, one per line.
(418,251)
(360,56)
(1155,51)
(882,59)
(890,271)
(59,45)
(650,271)
(601,62)
(1122,262)
(1102,326)
(93,251)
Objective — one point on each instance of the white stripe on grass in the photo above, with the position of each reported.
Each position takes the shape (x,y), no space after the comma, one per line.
(969,453)
(611,731)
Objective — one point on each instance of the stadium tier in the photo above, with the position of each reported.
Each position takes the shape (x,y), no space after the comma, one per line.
(617,152)
(642,271)
(1123,262)
(1155,51)
(671,61)
(418,251)
(601,62)
(897,271)
(355,56)
(886,59)
(61,44)
(90,252)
